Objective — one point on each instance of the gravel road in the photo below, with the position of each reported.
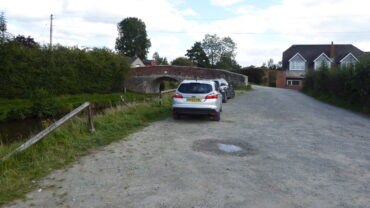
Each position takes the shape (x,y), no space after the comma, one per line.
(294,152)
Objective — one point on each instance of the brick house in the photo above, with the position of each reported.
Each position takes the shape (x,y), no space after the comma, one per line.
(136,62)
(298,59)
(150,63)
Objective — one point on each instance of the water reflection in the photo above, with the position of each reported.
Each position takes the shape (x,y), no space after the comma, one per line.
(12,131)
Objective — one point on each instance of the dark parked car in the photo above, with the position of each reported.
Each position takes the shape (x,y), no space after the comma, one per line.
(226,89)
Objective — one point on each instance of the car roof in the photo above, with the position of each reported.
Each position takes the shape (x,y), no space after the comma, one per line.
(198,81)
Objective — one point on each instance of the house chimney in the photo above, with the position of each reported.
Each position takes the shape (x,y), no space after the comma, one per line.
(332,51)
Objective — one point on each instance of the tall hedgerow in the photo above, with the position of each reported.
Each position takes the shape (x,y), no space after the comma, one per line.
(63,70)
(351,83)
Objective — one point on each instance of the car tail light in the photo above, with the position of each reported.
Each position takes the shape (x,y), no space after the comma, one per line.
(212,96)
(177,96)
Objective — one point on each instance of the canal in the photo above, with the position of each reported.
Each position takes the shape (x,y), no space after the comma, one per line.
(13,131)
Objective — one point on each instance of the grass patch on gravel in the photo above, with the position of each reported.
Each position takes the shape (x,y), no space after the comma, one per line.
(245,88)
(20,173)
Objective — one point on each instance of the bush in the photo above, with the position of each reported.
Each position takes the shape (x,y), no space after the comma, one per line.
(18,114)
(254,74)
(272,79)
(43,104)
(351,84)
(64,70)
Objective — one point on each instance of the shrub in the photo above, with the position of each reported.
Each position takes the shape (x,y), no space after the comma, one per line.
(351,84)
(18,114)
(254,74)
(43,104)
(64,70)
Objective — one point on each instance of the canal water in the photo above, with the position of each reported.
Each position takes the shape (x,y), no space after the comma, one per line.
(12,131)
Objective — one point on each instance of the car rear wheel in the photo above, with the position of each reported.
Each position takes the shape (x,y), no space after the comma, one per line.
(224,98)
(176,116)
(217,117)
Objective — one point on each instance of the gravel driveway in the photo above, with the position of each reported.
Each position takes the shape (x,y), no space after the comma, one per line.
(294,151)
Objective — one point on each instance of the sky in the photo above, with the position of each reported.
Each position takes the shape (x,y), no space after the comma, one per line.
(262,29)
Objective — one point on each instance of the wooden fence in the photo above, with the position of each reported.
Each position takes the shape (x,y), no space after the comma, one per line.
(164,92)
(55,125)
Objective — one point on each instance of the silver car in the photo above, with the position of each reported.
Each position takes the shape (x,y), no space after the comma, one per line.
(197,97)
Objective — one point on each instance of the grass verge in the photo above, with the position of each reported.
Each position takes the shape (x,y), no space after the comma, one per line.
(245,88)
(67,103)
(338,102)
(69,142)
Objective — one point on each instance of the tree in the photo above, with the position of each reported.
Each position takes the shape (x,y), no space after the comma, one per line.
(160,60)
(132,38)
(26,41)
(212,47)
(197,55)
(2,26)
(219,49)
(226,62)
(271,65)
(182,61)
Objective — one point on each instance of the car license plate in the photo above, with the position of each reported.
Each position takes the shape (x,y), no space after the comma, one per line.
(195,100)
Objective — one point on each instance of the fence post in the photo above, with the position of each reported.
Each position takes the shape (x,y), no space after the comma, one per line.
(90,120)
(160,98)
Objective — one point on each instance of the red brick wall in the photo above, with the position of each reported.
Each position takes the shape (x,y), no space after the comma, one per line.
(295,87)
(200,73)
(280,79)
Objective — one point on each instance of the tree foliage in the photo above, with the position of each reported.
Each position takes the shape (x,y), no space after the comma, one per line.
(26,41)
(160,60)
(182,61)
(65,70)
(2,26)
(197,55)
(346,83)
(220,51)
(228,63)
(271,65)
(211,44)
(132,38)
(255,74)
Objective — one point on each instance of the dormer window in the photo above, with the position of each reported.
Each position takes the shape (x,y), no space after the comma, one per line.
(322,61)
(297,62)
(348,61)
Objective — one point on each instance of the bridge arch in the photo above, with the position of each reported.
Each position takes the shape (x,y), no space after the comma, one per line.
(156,83)
(148,79)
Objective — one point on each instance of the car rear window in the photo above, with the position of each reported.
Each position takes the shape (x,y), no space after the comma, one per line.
(195,88)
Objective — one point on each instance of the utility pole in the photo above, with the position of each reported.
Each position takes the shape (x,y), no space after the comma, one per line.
(51,32)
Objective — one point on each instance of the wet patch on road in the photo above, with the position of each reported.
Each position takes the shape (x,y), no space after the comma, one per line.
(224,147)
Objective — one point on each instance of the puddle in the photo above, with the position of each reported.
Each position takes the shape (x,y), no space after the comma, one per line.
(233,147)
(228,147)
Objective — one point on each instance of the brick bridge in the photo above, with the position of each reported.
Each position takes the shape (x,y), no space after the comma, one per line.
(148,79)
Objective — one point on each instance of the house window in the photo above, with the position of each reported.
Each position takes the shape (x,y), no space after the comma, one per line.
(297,65)
(293,82)
(348,61)
(321,64)
(297,62)
(322,61)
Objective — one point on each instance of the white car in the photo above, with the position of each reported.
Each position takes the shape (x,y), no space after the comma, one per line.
(197,97)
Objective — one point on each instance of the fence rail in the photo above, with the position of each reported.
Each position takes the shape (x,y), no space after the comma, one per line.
(164,92)
(55,125)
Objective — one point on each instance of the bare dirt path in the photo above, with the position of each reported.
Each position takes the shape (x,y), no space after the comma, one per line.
(295,152)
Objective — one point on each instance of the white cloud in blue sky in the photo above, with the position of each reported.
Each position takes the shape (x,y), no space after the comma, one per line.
(261,29)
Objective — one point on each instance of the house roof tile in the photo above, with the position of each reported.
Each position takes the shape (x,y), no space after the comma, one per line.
(311,52)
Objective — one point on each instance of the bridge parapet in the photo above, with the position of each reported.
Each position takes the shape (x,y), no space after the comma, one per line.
(148,79)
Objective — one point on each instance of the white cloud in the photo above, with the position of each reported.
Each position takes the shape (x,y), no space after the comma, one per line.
(225,2)
(189,12)
(260,34)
